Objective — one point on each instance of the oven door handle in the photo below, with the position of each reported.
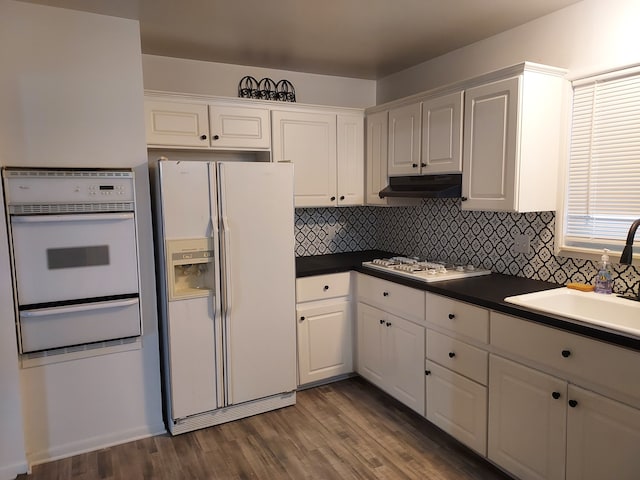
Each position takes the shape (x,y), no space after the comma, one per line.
(44,312)
(85,217)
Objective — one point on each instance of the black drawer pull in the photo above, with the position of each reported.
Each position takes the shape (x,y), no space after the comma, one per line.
(381,322)
(302,319)
(427,372)
(325,288)
(452,354)
(203,137)
(556,395)
(566,353)
(388,324)
(385,294)
(451,316)
(573,403)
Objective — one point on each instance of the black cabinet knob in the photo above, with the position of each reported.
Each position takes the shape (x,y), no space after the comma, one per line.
(556,395)
(341,197)
(452,354)
(381,322)
(423,164)
(325,288)
(333,199)
(464,199)
(427,372)
(203,137)
(573,403)
(216,137)
(388,324)
(385,294)
(302,319)
(451,316)
(566,353)
(414,165)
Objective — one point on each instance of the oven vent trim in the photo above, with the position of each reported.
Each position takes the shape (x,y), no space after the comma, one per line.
(48,208)
(19,173)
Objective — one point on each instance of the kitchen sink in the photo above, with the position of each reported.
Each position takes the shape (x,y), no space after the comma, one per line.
(609,311)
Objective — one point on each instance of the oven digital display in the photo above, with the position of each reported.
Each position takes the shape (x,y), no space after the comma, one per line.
(106,187)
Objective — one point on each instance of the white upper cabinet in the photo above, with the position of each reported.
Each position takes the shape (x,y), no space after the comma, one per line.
(426,137)
(350,159)
(441,150)
(327,152)
(404,140)
(376,157)
(512,141)
(177,122)
(233,127)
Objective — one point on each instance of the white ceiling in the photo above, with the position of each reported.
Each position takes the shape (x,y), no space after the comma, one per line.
(353,38)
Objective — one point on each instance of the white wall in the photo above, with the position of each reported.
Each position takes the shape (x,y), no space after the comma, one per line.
(72,95)
(221,79)
(589,36)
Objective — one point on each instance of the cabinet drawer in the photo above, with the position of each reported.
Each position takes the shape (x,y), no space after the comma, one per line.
(458,317)
(578,357)
(320,287)
(458,356)
(397,299)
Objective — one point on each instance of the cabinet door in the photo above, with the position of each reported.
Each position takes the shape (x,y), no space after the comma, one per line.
(350,159)
(442,134)
(239,127)
(377,155)
(457,405)
(308,140)
(489,158)
(527,424)
(603,438)
(371,336)
(176,124)
(405,352)
(404,140)
(324,341)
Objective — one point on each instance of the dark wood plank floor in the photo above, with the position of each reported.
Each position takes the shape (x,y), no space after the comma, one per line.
(344,430)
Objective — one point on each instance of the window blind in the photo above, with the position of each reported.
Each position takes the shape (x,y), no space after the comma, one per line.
(603,181)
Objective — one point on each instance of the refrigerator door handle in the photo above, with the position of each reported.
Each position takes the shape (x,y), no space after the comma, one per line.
(219,313)
(227,299)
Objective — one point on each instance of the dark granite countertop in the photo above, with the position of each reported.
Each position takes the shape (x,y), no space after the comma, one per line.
(487,291)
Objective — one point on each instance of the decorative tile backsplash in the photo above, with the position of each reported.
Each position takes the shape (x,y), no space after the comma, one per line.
(440,229)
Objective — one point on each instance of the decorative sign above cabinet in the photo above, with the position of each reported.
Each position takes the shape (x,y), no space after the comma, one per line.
(266,89)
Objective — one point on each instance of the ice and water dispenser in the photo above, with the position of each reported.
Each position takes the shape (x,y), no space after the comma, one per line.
(191,268)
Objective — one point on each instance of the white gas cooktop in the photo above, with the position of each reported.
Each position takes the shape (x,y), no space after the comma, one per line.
(426,271)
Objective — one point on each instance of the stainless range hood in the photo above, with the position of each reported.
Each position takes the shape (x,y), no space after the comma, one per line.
(424,186)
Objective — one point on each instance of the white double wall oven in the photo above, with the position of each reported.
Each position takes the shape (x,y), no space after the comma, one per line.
(74,256)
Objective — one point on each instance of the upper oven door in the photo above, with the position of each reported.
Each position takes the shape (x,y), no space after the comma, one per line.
(74,257)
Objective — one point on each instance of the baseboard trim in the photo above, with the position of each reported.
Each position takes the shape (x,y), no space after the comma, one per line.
(9,472)
(93,443)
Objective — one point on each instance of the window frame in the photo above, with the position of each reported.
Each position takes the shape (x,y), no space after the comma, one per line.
(560,246)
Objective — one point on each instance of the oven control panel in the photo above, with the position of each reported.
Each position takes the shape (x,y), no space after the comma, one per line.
(68,186)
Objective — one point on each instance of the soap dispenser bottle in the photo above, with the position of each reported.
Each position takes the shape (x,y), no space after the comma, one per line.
(604,283)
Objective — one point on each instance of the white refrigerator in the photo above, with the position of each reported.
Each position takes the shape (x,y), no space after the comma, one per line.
(225,251)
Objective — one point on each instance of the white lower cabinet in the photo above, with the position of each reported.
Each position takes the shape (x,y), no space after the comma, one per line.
(603,438)
(324,326)
(527,423)
(542,427)
(390,355)
(324,342)
(457,405)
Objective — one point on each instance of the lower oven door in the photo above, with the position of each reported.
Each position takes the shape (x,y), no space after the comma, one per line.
(77,256)
(56,327)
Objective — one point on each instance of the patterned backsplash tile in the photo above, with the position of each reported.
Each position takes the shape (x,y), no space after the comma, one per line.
(440,229)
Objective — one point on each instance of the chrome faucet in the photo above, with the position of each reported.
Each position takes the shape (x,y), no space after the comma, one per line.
(627,254)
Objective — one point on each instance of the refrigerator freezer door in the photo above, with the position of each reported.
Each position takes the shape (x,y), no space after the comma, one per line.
(258,260)
(191,326)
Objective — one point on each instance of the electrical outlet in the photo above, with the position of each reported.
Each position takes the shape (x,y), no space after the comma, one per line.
(522,244)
